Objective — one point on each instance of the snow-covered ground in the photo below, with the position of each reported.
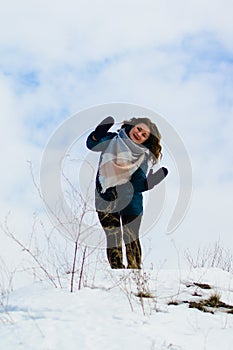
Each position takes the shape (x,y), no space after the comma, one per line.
(106,313)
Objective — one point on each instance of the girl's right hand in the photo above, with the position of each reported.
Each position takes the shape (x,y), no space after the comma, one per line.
(102,129)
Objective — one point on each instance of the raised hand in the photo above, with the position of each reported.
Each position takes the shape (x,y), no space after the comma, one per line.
(102,129)
(154,179)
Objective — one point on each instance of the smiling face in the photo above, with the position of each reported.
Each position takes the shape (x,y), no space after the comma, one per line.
(139,133)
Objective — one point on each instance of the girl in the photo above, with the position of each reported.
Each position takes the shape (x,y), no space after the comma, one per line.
(120,181)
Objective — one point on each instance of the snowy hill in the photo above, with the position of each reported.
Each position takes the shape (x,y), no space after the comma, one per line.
(107,314)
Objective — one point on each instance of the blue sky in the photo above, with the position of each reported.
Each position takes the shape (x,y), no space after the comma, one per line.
(59,58)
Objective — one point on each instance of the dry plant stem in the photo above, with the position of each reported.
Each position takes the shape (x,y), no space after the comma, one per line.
(5,290)
(215,256)
(125,286)
(76,246)
(124,283)
(7,318)
(33,256)
(76,249)
(54,214)
(78,220)
(73,267)
(82,268)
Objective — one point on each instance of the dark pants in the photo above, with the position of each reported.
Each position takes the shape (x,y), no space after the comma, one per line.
(114,224)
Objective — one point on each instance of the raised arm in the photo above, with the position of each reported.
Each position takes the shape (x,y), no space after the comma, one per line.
(97,141)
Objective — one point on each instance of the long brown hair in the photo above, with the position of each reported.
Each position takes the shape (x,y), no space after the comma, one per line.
(153,142)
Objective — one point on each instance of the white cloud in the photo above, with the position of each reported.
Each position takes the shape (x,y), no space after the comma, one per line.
(78,31)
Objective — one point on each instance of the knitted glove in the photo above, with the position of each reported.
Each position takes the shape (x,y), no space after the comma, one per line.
(102,129)
(155,178)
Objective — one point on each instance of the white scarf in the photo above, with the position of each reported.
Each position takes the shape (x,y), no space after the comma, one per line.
(120,160)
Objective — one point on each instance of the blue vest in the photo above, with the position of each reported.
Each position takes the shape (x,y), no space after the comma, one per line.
(124,199)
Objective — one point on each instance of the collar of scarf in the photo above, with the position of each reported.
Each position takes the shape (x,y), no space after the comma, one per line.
(120,160)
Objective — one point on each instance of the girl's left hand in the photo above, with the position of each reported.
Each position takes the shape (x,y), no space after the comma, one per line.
(154,179)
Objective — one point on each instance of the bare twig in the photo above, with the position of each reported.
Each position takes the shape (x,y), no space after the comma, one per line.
(82,267)
(7,231)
